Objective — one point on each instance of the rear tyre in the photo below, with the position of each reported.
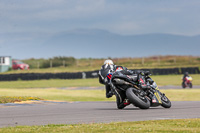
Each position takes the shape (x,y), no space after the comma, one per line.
(183,85)
(166,103)
(136,99)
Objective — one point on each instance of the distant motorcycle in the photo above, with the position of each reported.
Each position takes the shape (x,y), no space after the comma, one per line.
(187,82)
(142,92)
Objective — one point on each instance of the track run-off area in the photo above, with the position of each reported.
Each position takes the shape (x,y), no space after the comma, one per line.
(44,113)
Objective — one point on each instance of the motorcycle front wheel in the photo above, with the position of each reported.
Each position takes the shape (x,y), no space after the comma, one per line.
(183,85)
(190,85)
(166,103)
(135,98)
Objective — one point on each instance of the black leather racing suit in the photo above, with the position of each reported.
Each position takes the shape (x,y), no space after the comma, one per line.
(105,69)
(120,95)
(184,77)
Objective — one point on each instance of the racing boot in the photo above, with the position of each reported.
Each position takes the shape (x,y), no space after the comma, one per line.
(125,103)
(109,92)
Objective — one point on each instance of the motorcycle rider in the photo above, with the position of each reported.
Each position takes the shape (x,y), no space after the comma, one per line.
(187,80)
(120,96)
(105,74)
(184,76)
(106,68)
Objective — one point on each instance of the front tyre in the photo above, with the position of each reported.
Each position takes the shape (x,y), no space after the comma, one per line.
(165,101)
(183,85)
(190,85)
(136,99)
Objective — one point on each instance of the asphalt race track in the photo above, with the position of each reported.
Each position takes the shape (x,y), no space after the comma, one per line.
(90,112)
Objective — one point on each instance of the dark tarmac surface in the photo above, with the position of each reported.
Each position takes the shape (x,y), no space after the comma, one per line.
(91,112)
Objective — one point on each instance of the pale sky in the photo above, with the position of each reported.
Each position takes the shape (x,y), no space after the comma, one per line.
(31,24)
(125,17)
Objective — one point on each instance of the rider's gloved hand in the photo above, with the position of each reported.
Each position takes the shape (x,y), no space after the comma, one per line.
(147,73)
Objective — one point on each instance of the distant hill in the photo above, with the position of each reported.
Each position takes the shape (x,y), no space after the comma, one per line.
(97,44)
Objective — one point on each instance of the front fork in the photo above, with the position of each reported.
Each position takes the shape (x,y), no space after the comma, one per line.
(114,90)
(155,96)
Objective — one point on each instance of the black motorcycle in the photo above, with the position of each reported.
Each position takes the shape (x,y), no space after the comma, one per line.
(139,89)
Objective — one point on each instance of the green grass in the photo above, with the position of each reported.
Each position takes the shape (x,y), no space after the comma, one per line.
(174,79)
(163,126)
(28,88)
(52,83)
(161,80)
(93,95)
(57,94)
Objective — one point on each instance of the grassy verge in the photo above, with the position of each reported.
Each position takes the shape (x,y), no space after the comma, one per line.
(93,95)
(57,94)
(174,79)
(12,99)
(19,88)
(160,80)
(163,126)
(50,83)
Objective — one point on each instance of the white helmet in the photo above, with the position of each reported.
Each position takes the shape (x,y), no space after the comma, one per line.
(108,62)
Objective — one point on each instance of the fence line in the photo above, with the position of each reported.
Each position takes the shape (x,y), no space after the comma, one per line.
(89,74)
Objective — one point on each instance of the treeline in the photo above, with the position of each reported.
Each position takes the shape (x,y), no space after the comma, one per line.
(95,63)
(51,62)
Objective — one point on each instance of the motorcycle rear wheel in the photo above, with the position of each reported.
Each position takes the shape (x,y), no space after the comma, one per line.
(136,99)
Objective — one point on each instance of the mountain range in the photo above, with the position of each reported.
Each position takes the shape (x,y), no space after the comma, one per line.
(95,43)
